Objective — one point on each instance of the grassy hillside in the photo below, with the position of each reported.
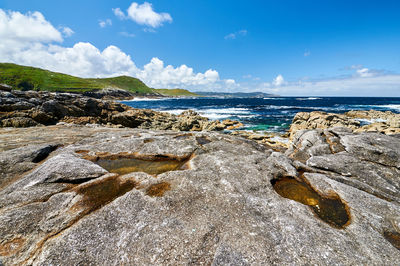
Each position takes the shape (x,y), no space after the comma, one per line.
(30,78)
(175,92)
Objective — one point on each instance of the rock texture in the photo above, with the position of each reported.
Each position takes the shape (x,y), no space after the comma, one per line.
(219,208)
(359,121)
(31,108)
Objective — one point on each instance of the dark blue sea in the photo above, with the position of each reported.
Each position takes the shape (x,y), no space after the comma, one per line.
(273,114)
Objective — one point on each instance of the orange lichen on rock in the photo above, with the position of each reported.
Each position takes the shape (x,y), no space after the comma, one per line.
(11,247)
(100,192)
(158,190)
(393,238)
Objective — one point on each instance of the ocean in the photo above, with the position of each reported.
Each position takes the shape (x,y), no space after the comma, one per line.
(272,114)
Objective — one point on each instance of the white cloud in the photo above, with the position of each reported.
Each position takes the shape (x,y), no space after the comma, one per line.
(365,72)
(127,34)
(232,36)
(384,85)
(118,12)
(278,81)
(230,82)
(155,74)
(67,31)
(144,15)
(105,23)
(16,27)
(39,48)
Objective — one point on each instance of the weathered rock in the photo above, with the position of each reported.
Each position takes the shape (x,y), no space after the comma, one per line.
(367,161)
(358,121)
(18,122)
(44,108)
(320,120)
(220,207)
(5,87)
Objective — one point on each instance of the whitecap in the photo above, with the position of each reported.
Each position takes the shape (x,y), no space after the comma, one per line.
(273,98)
(308,98)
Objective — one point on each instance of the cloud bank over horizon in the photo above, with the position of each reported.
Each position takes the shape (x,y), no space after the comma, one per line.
(29,39)
(36,46)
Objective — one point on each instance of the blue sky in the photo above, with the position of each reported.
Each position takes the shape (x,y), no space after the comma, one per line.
(349,48)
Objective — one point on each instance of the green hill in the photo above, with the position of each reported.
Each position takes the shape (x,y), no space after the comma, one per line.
(31,78)
(175,92)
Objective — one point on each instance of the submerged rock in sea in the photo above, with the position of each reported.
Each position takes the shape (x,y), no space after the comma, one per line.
(198,198)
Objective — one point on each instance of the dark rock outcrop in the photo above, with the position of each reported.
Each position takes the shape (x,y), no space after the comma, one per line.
(31,108)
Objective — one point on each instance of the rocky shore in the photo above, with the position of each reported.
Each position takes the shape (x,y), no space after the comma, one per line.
(97,193)
(31,108)
(358,121)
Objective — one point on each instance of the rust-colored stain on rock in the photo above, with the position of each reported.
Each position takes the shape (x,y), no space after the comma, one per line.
(158,190)
(11,247)
(99,193)
(393,238)
(330,209)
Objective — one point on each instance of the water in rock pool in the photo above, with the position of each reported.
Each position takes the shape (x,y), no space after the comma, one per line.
(273,114)
(330,209)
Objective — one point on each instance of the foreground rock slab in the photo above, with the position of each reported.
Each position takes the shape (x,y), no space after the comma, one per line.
(217,206)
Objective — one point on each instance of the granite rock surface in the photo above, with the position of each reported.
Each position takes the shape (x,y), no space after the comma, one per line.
(197,198)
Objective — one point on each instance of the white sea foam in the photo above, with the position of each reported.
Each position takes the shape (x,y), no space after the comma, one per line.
(308,98)
(317,108)
(214,116)
(273,98)
(370,121)
(145,99)
(246,116)
(390,106)
(280,139)
(232,110)
(223,113)
(174,112)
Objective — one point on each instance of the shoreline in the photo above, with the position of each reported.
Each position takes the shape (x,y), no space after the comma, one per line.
(31,108)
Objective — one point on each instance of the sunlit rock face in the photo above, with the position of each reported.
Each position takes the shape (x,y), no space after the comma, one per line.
(106,196)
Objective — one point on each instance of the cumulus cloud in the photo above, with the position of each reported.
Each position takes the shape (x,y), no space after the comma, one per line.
(234,35)
(155,74)
(16,27)
(144,15)
(40,46)
(118,12)
(67,31)
(278,81)
(105,23)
